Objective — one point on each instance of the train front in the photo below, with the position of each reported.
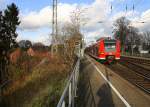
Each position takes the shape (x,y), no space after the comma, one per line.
(109,50)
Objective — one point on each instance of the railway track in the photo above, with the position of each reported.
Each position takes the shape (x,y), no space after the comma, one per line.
(135,78)
(142,61)
(141,66)
(145,72)
(136,71)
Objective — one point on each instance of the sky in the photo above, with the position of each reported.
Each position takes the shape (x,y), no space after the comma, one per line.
(36,16)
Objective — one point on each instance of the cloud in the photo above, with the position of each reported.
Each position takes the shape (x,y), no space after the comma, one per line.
(35,20)
(97,11)
(143,21)
(2,4)
(43,18)
(41,35)
(1,1)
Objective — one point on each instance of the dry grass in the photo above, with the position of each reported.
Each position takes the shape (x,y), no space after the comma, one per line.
(42,87)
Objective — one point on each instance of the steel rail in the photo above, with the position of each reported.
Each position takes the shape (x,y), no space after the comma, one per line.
(134,75)
(130,66)
(139,59)
(141,87)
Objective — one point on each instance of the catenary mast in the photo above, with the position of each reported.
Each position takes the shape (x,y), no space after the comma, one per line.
(54,40)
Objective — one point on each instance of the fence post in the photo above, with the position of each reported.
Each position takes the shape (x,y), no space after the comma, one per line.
(0,94)
(0,80)
(73,89)
(75,83)
(70,96)
(63,104)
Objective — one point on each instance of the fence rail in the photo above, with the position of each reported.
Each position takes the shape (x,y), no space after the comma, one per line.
(69,93)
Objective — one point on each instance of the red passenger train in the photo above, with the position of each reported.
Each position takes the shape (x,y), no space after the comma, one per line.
(105,50)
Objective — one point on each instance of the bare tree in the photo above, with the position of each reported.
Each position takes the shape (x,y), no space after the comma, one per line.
(146,40)
(121,30)
(78,18)
(133,39)
(147,37)
(71,33)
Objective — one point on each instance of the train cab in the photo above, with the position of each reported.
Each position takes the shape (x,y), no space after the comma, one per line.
(109,49)
(105,50)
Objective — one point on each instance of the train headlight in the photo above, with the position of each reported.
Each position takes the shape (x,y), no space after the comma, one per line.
(102,53)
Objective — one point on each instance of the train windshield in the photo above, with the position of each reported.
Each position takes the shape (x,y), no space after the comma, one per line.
(110,45)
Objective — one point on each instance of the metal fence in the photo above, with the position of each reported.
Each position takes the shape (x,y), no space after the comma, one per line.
(69,93)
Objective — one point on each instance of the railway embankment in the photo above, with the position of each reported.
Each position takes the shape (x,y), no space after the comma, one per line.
(41,88)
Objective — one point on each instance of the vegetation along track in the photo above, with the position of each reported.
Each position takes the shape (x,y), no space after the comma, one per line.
(134,77)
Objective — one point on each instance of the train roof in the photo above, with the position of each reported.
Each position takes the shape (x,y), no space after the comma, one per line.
(103,38)
(106,39)
(110,41)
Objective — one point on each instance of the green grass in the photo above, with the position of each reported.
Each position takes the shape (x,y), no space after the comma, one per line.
(49,96)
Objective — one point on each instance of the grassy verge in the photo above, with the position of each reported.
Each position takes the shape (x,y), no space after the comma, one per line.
(42,88)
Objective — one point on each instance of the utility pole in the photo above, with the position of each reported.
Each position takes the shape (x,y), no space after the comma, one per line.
(54,40)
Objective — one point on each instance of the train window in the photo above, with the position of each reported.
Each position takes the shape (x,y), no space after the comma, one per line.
(110,45)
